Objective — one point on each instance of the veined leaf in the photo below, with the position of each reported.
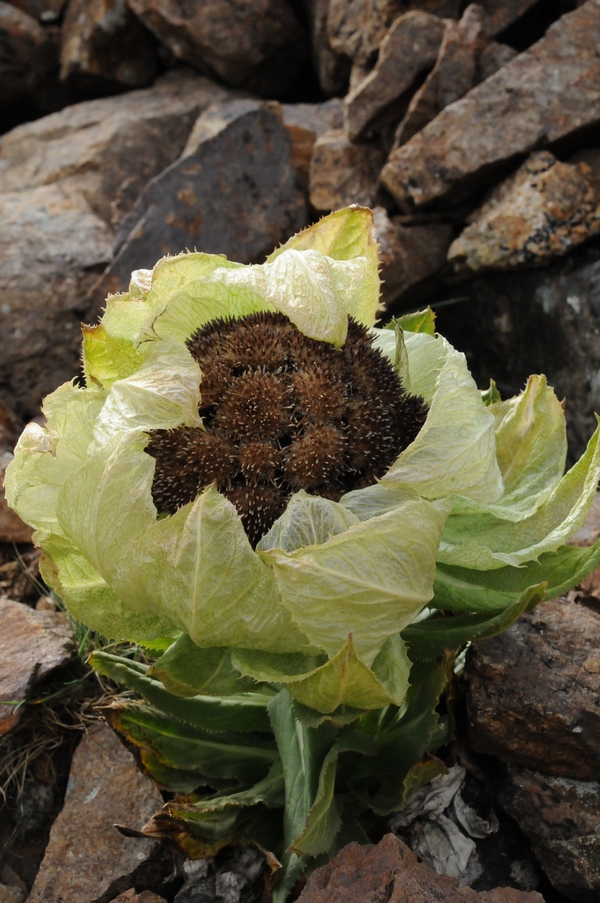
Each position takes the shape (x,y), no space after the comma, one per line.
(187,670)
(418,321)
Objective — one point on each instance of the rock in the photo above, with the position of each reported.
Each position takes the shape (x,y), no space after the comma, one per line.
(541,211)
(391,872)
(493,57)
(510,114)
(332,68)
(12,528)
(410,47)
(34,644)
(591,157)
(560,818)
(305,122)
(28,60)
(587,535)
(452,76)
(11,894)
(65,182)
(511,324)
(87,858)
(235,875)
(255,43)
(342,172)
(409,255)
(103,40)
(44,10)
(535,688)
(502,13)
(130,896)
(232,192)
(357,28)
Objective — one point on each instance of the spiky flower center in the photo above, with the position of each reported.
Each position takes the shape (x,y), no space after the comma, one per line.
(283,412)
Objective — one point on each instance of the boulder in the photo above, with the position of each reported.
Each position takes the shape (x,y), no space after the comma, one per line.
(542,211)
(305,122)
(560,818)
(257,44)
(343,172)
(102,41)
(234,191)
(532,691)
(510,114)
(493,57)
(502,13)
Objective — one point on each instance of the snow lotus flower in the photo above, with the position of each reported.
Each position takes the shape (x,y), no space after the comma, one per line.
(253,475)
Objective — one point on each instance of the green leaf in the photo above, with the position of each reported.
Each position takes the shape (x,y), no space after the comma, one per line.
(342,681)
(370,581)
(182,746)
(491,395)
(247,712)
(429,638)
(302,752)
(345,235)
(269,792)
(197,569)
(187,670)
(485,541)
(418,321)
(308,520)
(176,780)
(469,590)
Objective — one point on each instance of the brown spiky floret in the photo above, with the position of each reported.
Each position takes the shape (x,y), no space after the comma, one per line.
(283,412)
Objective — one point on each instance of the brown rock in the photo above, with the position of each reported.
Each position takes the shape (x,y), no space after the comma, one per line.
(591,157)
(532,692)
(33,645)
(391,872)
(28,58)
(342,172)
(502,13)
(357,28)
(44,10)
(511,113)
(86,857)
(410,46)
(543,210)
(305,122)
(452,76)
(332,68)
(560,818)
(102,39)
(255,43)
(408,254)
(233,192)
(493,57)
(130,896)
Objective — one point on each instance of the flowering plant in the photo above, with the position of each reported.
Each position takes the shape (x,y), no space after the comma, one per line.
(303,517)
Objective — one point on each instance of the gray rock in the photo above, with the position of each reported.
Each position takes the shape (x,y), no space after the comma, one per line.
(332,68)
(34,644)
(257,45)
(543,210)
(410,46)
(532,692)
(232,192)
(560,818)
(493,57)
(343,172)
(87,859)
(28,60)
(305,122)
(103,40)
(512,113)
(502,13)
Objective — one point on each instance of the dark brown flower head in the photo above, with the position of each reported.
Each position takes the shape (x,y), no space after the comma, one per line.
(283,412)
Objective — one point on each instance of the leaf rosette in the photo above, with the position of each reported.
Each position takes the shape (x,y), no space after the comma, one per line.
(319,604)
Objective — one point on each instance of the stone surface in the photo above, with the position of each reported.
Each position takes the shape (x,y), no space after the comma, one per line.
(12,528)
(28,57)
(332,68)
(408,254)
(131,896)
(233,191)
(410,47)
(391,872)
(502,13)
(65,183)
(305,122)
(102,39)
(492,58)
(534,689)
(343,172)
(452,76)
(560,818)
(34,644)
(86,858)
(511,324)
(255,43)
(357,28)
(510,114)
(44,10)
(543,210)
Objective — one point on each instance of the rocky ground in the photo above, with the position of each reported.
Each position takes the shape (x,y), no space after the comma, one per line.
(134,128)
